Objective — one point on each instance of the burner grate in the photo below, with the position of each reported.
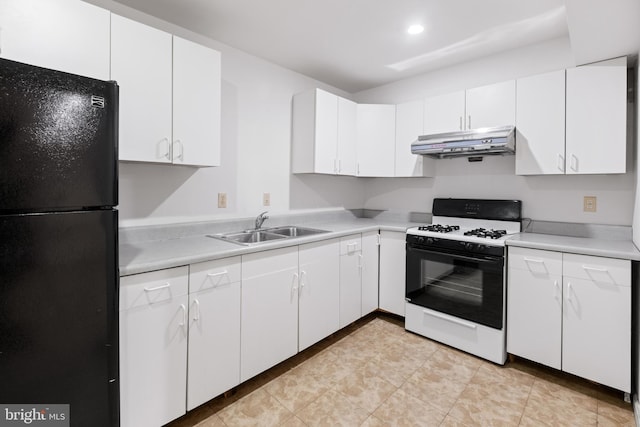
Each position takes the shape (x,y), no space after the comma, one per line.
(484,233)
(437,228)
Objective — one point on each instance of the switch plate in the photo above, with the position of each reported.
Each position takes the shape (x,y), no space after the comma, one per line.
(266,199)
(590,204)
(222,200)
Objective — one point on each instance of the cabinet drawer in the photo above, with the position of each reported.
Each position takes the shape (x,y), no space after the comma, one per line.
(153,287)
(211,274)
(598,269)
(350,244)
(536,261)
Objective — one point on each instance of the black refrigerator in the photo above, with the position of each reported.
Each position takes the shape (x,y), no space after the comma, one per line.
(58,244)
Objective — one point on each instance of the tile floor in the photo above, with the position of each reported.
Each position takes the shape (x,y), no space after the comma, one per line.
(374,373)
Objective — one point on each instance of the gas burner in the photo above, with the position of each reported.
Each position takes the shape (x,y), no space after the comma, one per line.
(437,228)
(488,234)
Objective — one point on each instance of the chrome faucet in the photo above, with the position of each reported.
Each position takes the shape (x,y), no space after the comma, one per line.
(260,219)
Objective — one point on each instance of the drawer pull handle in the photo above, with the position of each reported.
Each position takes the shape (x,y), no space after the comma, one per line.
(600,270)
(220,273)
(569,292)
(557,289)
(537,261)
(196,315)
(184,315)
(450,319)
(157,288)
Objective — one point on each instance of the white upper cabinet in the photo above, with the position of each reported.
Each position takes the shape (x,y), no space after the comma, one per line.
(169,96)
(196,104)
(376,140)
(141,58)
(324,134)
(485,106)
(409,125)
(347,156)
(65,35)
(540,124)
(444,113)
(491,105)
(596,118)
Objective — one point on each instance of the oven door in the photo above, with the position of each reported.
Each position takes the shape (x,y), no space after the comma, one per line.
(460,284)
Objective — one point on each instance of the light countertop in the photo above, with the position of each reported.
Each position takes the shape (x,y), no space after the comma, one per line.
(623,249)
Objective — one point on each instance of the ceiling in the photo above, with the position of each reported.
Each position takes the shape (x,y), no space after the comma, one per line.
(359,44)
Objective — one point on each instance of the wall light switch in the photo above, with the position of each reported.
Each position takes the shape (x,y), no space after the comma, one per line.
(590,204)
(222,200)
(266,199)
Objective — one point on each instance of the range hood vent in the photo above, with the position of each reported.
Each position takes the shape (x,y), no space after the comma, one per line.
(477,142)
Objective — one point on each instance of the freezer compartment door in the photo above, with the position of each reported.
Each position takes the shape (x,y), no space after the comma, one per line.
(58,313)
(58,140)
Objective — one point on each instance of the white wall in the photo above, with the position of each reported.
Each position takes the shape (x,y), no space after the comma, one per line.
(552,198)
(256,130)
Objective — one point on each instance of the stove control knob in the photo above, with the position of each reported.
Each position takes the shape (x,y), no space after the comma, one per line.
(430,240)
(469,246)
(420,239)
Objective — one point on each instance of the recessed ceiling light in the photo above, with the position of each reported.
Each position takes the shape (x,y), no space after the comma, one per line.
(415,29)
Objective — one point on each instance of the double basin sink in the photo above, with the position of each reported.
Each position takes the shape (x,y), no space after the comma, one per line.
(264,235)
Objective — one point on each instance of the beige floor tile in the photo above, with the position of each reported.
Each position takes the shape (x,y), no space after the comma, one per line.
(608,422)
(452,422)
(332,409)
(293,422)
(395,365)
(420,347)
(618,411)
(402,409)
(212,421)
(452,365)
(297,388)
(327,365)
(491,373)
(490,404)
(433,389)
(373,421)
(552,410)
(365,389)
(570,393)
(256,409)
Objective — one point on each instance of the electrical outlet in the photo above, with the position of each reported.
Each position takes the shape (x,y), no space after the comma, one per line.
(266,199)
(222,200)
(590,204)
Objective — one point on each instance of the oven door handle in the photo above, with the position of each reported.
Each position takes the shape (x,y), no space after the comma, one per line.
(450,319)
(494,260)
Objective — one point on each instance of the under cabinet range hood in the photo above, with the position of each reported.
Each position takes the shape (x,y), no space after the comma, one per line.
(475,142)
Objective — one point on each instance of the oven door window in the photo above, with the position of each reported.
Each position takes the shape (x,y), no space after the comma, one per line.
(461,285)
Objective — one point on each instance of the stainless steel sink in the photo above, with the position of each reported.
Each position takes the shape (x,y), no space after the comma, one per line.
(294,231)
(250,237)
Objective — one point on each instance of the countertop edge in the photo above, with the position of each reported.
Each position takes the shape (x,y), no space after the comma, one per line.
(228,250)
(620,249)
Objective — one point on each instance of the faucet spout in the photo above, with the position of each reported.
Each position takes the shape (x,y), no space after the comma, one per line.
(260,219)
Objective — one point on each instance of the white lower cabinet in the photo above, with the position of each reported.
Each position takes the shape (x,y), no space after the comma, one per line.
(350,279)
(370,263)
(153,347)
(214,329)
(269,317)
(571,312)
(392,272)
(319,292)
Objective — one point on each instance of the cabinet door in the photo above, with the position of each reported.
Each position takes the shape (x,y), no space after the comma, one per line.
(370,261)
(350,279)
(269,310)
(153,347)
(596,335)
(196,104)
(540,124)
(392,271)
(347,137)
(597,118)
(376,139)
(319,293)
(141,64)
(534,305)
(409,125)
(491,105)
(444,113)
(214,329)
(65,35)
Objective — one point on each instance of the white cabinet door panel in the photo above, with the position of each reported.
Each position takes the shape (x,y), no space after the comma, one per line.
(444,113)
(196,104)
(409,125)
(347,156)
(370,262)
(392,272)
(65,35)
(491,105)
(319,291)
(141,64)
(376,140)
(540,124)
